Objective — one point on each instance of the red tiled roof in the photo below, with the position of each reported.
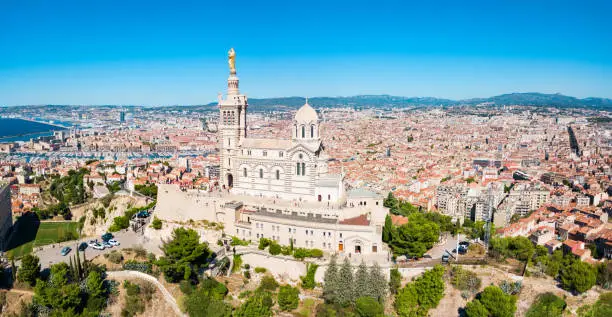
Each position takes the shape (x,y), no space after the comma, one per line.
(361,220)
(399,220)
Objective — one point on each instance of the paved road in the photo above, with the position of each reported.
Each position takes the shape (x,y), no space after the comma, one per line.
(450,244)
(167,296)
(50,254)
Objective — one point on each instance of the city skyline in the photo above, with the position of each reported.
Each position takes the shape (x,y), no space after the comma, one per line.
(158,55)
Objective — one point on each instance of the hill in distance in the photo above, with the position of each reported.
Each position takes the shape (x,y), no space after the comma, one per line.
(387,101)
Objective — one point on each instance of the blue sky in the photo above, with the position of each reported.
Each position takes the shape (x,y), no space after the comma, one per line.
(174,52)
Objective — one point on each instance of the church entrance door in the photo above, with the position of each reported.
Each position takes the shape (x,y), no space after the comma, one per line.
(319,197)
(230,180)
(340,247)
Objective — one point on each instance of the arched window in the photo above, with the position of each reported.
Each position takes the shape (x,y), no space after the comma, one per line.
(303,169)
(312,131)
(303,132)
(261,173)
(277,174)
(244,172)
(298,168)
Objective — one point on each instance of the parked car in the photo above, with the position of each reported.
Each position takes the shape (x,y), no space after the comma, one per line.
(107,245)
(113,242)
(82,246)
(445,258)
(91,243)
(65,250)
(98,246)
(107,236)
(464,244)
(143,214)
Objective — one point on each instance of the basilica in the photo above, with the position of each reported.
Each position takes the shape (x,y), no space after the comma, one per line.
(279,189)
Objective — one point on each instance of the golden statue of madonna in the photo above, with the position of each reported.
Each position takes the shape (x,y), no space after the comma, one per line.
(231,55)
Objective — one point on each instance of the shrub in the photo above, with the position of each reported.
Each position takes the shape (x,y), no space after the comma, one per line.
(368,307)
(465,280)
(133,265)
(263,243)
(156,223)
(511,288)
(308,281)
(247,266)
(238,241)
(301,253)
(268,283)
(186,287)
(275,248)
(114,257)
(260,269)
(286,250)
(547,304)
(288,298)
(119,223)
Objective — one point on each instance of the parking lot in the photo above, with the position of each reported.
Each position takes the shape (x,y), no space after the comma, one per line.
(51,254)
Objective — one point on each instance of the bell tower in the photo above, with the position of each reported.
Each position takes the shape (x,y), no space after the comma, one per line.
(232,124)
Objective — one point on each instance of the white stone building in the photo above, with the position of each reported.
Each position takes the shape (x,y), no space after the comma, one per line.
(279,189)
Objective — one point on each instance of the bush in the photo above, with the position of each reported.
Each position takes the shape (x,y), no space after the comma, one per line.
(114,257)
(156,224)
(268,283)
(119,223)
(368,307)
(288,298)
(547,304)
(186,287)
(247,274)
(238,241)
(465,280)
(308,281)
(132,265)
(301,253)
(260,269)
(263,243)
(275,248)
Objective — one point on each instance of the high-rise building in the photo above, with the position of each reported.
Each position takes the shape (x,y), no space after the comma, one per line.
(121,116)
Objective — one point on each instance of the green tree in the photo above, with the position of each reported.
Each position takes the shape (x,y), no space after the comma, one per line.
(424,293)
(362,281)
(377,283)
(604,274)
(346,291)
(207,300)
(578,276)
(288,297)
(308,281)
(29,270)
(497,303)
(331,282)
(368,307)
(395,280)
(258,305)
(182,251)
(547,305)
(387,230)
(476,309)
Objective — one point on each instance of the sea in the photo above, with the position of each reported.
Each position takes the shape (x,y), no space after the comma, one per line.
(13,130)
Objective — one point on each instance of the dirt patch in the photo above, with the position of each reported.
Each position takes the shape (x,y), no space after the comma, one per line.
(14,300)
(156,307)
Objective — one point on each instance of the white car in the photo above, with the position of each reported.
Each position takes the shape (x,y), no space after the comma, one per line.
(113,242)
(98,246)
(92,243)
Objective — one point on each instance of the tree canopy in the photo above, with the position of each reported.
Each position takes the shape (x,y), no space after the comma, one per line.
(182,254)
(492,302)
(419,296)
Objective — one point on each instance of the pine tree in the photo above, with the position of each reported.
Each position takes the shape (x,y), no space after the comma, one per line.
(78,265)
(72,270)
(330,282)
(387,230)
(362,280)
(377,283)
(346,291)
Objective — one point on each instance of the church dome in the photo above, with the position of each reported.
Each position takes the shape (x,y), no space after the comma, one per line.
(306,114)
